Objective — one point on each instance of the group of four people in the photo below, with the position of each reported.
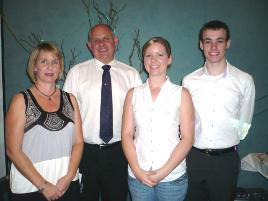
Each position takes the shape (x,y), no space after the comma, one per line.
(157,127)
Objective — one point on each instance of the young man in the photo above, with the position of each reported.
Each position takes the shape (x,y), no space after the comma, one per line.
(103,165)
(223,98)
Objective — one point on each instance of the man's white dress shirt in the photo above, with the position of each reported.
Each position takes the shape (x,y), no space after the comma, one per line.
(224,106)
(84,81)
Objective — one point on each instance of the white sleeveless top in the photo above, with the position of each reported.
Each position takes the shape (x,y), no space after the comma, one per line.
(157,127)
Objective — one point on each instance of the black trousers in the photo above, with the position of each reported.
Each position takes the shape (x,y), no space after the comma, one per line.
(72,194)
(104,173)
(212,178)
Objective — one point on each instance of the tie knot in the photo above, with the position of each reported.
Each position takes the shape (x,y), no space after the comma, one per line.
(106,67)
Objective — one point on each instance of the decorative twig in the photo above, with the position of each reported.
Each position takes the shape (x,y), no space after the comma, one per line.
(5,21)
(136,45)
(261,112)
(114,14)
(74,56)
(101,15)
(133,46)
(139,54)
(263,97)
(87,6)
(111,18)
(33,40)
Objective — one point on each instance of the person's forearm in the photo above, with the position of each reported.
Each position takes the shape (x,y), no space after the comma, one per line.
(178,155)
(130,152)
(75,159)
(26,168)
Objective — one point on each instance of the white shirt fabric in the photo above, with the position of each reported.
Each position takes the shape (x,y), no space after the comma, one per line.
(157,127)
(224,106)
(84,81)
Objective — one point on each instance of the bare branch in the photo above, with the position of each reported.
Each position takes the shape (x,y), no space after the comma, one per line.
(33,40)
(67,67)
(136,45)
(13,33)
(87,6)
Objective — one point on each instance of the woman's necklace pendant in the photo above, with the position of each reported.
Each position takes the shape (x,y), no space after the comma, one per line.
(48,96)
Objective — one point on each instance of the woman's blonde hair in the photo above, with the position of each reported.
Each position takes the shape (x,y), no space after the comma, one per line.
(45,47)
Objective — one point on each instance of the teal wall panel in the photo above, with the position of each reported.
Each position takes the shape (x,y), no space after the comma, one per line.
(177,20)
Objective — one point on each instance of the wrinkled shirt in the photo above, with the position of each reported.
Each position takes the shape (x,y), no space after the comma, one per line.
(224,106)
(157,127)
(84,81)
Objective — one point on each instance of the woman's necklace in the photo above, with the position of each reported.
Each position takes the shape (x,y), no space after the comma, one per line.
(48,96)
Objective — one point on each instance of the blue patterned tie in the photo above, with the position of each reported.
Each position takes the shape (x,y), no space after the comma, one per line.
(106,110)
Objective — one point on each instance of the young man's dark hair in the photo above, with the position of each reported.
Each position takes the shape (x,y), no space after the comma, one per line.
(214,25)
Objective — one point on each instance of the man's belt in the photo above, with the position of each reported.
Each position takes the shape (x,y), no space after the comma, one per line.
(216,152)
(105,146)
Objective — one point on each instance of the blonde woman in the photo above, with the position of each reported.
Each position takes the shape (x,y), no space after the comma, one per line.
(44,134)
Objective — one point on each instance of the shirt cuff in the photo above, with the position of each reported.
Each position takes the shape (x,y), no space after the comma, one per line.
(241,127)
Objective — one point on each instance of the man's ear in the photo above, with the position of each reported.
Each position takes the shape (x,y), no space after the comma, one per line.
(228,44)
(116,40)
(170,60)
(89,45)
(201,45)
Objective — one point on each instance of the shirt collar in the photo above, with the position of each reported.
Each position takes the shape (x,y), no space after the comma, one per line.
(166,83)
(99,64)
(224,75)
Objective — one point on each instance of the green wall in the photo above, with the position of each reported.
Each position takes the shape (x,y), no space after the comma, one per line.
(177,20)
